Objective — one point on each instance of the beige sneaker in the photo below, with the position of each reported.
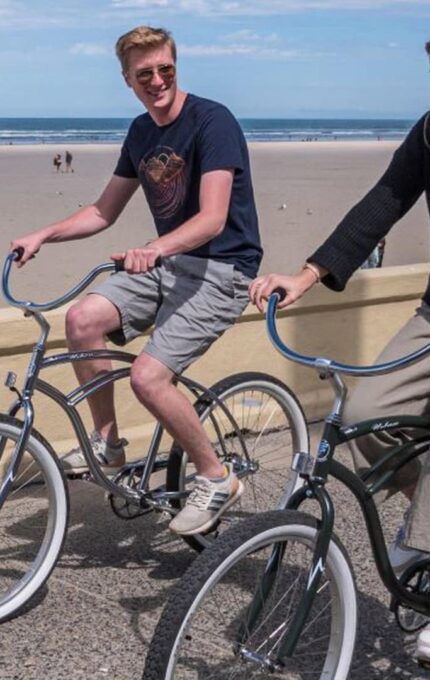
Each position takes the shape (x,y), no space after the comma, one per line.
(206,503)
(74,462)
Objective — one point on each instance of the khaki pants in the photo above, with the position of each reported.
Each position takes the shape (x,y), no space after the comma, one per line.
(403,392)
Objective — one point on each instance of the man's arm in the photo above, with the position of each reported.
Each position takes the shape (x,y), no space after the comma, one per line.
(85,222)
(214,199)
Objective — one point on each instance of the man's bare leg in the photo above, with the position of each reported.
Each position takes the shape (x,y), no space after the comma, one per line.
(87,323)
(152,383)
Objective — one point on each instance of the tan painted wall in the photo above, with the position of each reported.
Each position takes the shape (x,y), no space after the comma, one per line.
(351,327)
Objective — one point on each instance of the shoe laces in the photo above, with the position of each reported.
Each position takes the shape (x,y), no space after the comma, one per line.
(201,493)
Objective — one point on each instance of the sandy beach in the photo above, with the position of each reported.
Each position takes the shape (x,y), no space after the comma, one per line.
(302,190)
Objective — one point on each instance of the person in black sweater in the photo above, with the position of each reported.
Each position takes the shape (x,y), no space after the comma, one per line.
(405,391)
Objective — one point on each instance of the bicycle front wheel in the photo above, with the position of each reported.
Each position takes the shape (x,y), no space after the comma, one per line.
(257,424)
(33,518)
(206,630)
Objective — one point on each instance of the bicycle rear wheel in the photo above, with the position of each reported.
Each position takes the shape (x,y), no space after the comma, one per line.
(204,631)
(33,518)
(266,427)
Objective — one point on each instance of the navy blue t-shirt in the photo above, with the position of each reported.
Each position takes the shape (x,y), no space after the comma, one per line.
(169,162)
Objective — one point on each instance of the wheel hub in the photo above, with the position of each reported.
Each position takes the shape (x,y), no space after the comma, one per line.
(263,662)
(241,466)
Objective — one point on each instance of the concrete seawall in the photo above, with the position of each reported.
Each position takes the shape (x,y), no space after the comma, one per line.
(351,327)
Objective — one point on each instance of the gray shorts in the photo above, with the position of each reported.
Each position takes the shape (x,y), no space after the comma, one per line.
(190,301)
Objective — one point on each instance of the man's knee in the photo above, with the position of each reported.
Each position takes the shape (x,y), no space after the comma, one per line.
(76,322)
(90,318)
(148,379)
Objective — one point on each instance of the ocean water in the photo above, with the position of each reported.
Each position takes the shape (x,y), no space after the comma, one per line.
(113,130)
(296,129)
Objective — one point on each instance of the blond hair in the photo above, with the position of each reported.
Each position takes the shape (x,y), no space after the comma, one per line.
(144,38)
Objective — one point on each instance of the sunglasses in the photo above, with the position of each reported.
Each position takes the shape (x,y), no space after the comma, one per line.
(166,72)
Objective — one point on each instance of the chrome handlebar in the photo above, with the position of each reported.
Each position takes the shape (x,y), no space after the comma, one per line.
(328,366)
(323,365)
(58,302)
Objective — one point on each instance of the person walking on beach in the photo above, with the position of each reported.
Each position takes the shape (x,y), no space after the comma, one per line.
(201,198)
(406,391)
(68,158)
(57,162)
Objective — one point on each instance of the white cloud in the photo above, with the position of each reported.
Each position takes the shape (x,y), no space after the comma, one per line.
(143,4)
(211,50)
(245,42)
(26,14)
(241,49)
(264,7)
(8,6)
(247,35)
(89,49)
(9,12)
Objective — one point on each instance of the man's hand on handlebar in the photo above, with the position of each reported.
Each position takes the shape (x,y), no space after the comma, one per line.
(30,245)
(139,260)
(294,286)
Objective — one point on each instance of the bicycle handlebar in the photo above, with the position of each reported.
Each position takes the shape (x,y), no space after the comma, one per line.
(327,365)
(54,304)
(321,363)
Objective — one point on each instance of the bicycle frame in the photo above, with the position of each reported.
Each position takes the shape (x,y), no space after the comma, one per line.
(156,498)
(364,491)
(364,487)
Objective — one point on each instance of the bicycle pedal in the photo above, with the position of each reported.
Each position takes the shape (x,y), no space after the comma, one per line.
(10,380)
(83,476)
(125,509)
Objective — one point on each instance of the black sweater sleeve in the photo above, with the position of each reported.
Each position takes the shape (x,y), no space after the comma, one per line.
(371,218)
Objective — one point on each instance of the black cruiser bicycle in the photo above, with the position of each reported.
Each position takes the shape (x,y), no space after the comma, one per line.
(275,596)
(249,417)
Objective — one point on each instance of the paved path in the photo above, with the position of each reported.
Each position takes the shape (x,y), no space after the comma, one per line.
(96,617)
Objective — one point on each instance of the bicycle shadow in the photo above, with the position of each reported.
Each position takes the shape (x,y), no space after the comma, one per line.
(97,539)
(382,650)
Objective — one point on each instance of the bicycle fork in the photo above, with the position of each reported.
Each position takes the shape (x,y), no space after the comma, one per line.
(315,476)
(290,637)
(25,402)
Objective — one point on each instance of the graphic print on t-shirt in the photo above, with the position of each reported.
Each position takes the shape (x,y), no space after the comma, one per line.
(162,175)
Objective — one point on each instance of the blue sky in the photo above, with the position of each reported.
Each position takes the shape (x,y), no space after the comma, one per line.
(262,58)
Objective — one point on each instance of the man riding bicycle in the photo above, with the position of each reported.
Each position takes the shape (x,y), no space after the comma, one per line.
(200,194)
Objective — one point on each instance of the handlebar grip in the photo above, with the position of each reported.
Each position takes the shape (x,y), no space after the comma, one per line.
(19,252)
(281,293)
(119,264)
